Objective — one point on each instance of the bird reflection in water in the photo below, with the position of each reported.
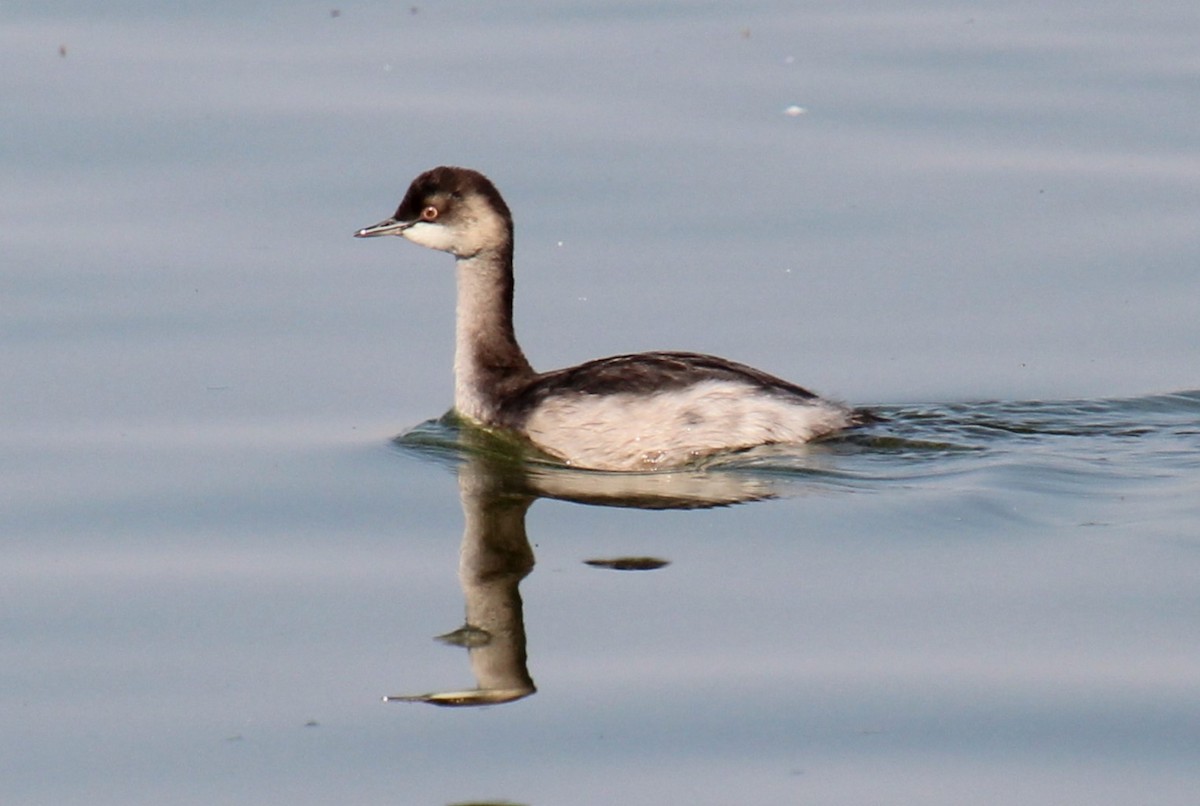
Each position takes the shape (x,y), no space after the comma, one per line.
(494,558)
(497,487)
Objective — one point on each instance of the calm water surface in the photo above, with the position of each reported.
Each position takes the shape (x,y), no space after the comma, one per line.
(217,561)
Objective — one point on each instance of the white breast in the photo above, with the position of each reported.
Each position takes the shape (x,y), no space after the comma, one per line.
(670,428)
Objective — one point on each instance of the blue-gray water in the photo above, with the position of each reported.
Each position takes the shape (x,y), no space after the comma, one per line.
(217,561)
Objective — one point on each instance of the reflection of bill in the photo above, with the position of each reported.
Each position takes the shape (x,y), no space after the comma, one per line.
(496,555)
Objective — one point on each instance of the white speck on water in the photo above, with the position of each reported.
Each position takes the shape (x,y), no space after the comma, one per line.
(794,111)
(789,59)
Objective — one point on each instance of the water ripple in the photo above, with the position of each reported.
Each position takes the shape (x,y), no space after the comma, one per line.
(1072,447)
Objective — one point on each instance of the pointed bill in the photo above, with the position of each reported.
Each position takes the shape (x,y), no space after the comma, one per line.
(390,226)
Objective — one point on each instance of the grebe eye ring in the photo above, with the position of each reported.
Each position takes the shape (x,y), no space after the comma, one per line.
(429,213)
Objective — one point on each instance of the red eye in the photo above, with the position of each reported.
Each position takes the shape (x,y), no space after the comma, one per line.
(429,213)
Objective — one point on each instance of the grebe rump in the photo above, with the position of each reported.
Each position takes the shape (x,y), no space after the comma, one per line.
(630,412)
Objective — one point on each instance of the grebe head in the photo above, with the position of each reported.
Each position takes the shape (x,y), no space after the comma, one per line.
(454,210)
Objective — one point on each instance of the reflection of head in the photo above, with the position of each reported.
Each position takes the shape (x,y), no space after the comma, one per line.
(495,557)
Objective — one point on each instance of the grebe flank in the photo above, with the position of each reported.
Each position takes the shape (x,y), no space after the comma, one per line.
(629,412)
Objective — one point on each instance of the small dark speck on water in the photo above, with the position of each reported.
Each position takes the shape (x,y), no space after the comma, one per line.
(312,723)
(62,51)
(335,13)
(629,563)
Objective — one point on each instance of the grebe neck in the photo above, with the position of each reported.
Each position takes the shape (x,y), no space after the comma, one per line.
(488,362)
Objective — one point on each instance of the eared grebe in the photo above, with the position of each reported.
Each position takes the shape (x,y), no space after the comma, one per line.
(629,412)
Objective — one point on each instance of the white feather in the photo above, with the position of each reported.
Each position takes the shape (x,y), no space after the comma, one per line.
(669,428)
